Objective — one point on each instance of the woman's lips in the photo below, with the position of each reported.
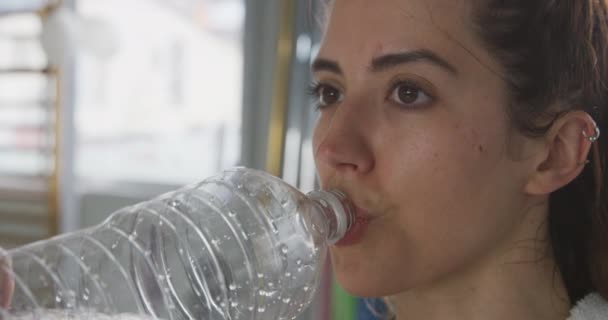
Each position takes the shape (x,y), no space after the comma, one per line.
(357,230)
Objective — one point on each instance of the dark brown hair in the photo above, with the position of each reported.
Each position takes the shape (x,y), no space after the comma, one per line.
(554,55)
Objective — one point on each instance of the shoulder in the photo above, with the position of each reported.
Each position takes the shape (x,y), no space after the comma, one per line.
(591,307)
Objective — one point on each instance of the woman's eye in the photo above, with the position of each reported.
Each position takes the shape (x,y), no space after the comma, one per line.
(408,94)
(326,95)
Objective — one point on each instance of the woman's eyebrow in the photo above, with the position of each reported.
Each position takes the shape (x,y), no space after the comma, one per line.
(387,61)
(390,60)
(321,64)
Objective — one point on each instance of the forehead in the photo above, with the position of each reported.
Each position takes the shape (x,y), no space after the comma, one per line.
(402,8)
(371,28)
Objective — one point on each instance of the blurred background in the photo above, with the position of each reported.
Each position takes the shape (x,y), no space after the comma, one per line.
(106,103)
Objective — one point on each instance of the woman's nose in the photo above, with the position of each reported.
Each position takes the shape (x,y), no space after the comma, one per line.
(344,143)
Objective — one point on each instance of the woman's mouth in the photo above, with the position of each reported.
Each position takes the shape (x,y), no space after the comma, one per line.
(357,230)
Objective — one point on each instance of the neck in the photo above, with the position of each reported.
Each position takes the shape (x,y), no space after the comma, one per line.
(520,281)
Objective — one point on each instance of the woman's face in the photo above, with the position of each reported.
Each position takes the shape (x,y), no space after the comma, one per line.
(413,126)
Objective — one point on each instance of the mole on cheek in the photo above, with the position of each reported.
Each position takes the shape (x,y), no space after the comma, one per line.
(475,140)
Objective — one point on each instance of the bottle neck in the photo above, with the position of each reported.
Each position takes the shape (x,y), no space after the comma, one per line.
(337,210)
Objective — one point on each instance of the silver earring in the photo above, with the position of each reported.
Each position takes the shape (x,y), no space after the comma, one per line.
(594,137)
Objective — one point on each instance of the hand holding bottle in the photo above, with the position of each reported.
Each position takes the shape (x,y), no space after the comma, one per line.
(7,283)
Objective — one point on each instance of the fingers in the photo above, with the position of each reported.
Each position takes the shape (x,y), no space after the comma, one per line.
(7,283)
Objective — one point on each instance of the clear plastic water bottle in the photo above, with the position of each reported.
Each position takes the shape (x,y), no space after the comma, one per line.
(239,245)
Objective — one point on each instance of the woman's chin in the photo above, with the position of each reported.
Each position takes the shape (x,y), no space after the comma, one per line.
(364,286)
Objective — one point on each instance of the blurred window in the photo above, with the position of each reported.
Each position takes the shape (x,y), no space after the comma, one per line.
(159,99)
(27,113)
(26,99)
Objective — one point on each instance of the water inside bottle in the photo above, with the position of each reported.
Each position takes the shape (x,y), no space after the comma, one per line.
(53,314)
(206,252)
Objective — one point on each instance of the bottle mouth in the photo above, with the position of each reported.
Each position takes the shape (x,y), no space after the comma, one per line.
(338,209)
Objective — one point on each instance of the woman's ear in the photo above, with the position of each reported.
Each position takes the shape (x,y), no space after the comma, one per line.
(564,153)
